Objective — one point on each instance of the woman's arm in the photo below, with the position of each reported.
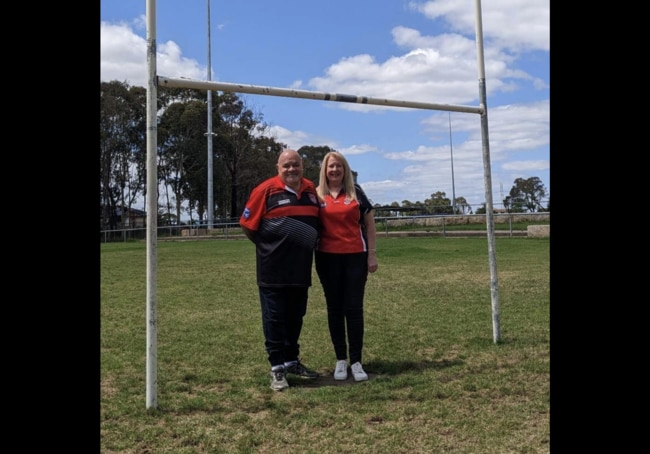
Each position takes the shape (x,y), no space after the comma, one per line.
(369,220)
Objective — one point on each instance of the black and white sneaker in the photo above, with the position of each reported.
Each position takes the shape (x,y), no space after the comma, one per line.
(300,370)
(278,380)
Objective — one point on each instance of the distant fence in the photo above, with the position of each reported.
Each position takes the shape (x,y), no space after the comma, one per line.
(443,224)
(440,223)
(222,230)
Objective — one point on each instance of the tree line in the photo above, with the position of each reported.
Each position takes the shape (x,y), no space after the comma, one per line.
(244,154)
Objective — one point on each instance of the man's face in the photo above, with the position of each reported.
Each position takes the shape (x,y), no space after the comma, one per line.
(290,169)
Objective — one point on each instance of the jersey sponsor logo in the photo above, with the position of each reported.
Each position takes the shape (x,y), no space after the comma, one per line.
(284,202)
(247,213)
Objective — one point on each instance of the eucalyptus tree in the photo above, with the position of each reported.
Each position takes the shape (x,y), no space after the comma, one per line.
(122,148)
(404,208)
(526,195)
(462,206)
(244,154)
(181,136)
(438,203)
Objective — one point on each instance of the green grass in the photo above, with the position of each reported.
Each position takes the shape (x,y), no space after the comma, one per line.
(438,382)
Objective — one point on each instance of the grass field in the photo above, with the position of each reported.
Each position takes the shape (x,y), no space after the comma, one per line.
(438,383)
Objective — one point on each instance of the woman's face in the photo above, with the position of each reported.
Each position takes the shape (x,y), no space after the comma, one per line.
(335,171)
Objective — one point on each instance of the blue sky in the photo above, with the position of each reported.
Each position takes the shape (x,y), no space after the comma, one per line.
(421,51)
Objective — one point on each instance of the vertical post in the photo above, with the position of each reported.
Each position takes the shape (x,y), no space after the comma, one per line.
(152,203)
(453,185)
(209,134)
(487,177)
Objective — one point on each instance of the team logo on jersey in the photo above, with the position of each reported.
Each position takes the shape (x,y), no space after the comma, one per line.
(247,213)
(312,197)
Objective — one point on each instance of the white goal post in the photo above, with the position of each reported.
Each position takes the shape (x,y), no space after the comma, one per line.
(154,81)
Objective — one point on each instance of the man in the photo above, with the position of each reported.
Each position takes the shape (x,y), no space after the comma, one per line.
(281,218)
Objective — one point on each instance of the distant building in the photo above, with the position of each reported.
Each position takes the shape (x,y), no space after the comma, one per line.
(125,218)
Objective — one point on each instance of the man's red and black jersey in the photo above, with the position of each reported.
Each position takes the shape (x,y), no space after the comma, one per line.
(286,226)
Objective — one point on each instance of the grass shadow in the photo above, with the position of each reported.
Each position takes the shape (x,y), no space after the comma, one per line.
(375,369)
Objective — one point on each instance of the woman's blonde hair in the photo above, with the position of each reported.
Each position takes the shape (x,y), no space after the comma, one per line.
(348,179)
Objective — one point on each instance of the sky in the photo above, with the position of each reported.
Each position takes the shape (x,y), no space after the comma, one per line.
(423,51)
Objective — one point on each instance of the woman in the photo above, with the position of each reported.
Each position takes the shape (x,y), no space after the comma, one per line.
(344,256)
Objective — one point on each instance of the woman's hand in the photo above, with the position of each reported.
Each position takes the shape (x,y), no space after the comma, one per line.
(372,262)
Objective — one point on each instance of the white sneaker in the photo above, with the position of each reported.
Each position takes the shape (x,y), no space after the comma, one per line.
(357,371)
(341,370)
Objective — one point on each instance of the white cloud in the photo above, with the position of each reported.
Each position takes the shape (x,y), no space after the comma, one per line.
(512,24)
(124,57)
(436,69)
